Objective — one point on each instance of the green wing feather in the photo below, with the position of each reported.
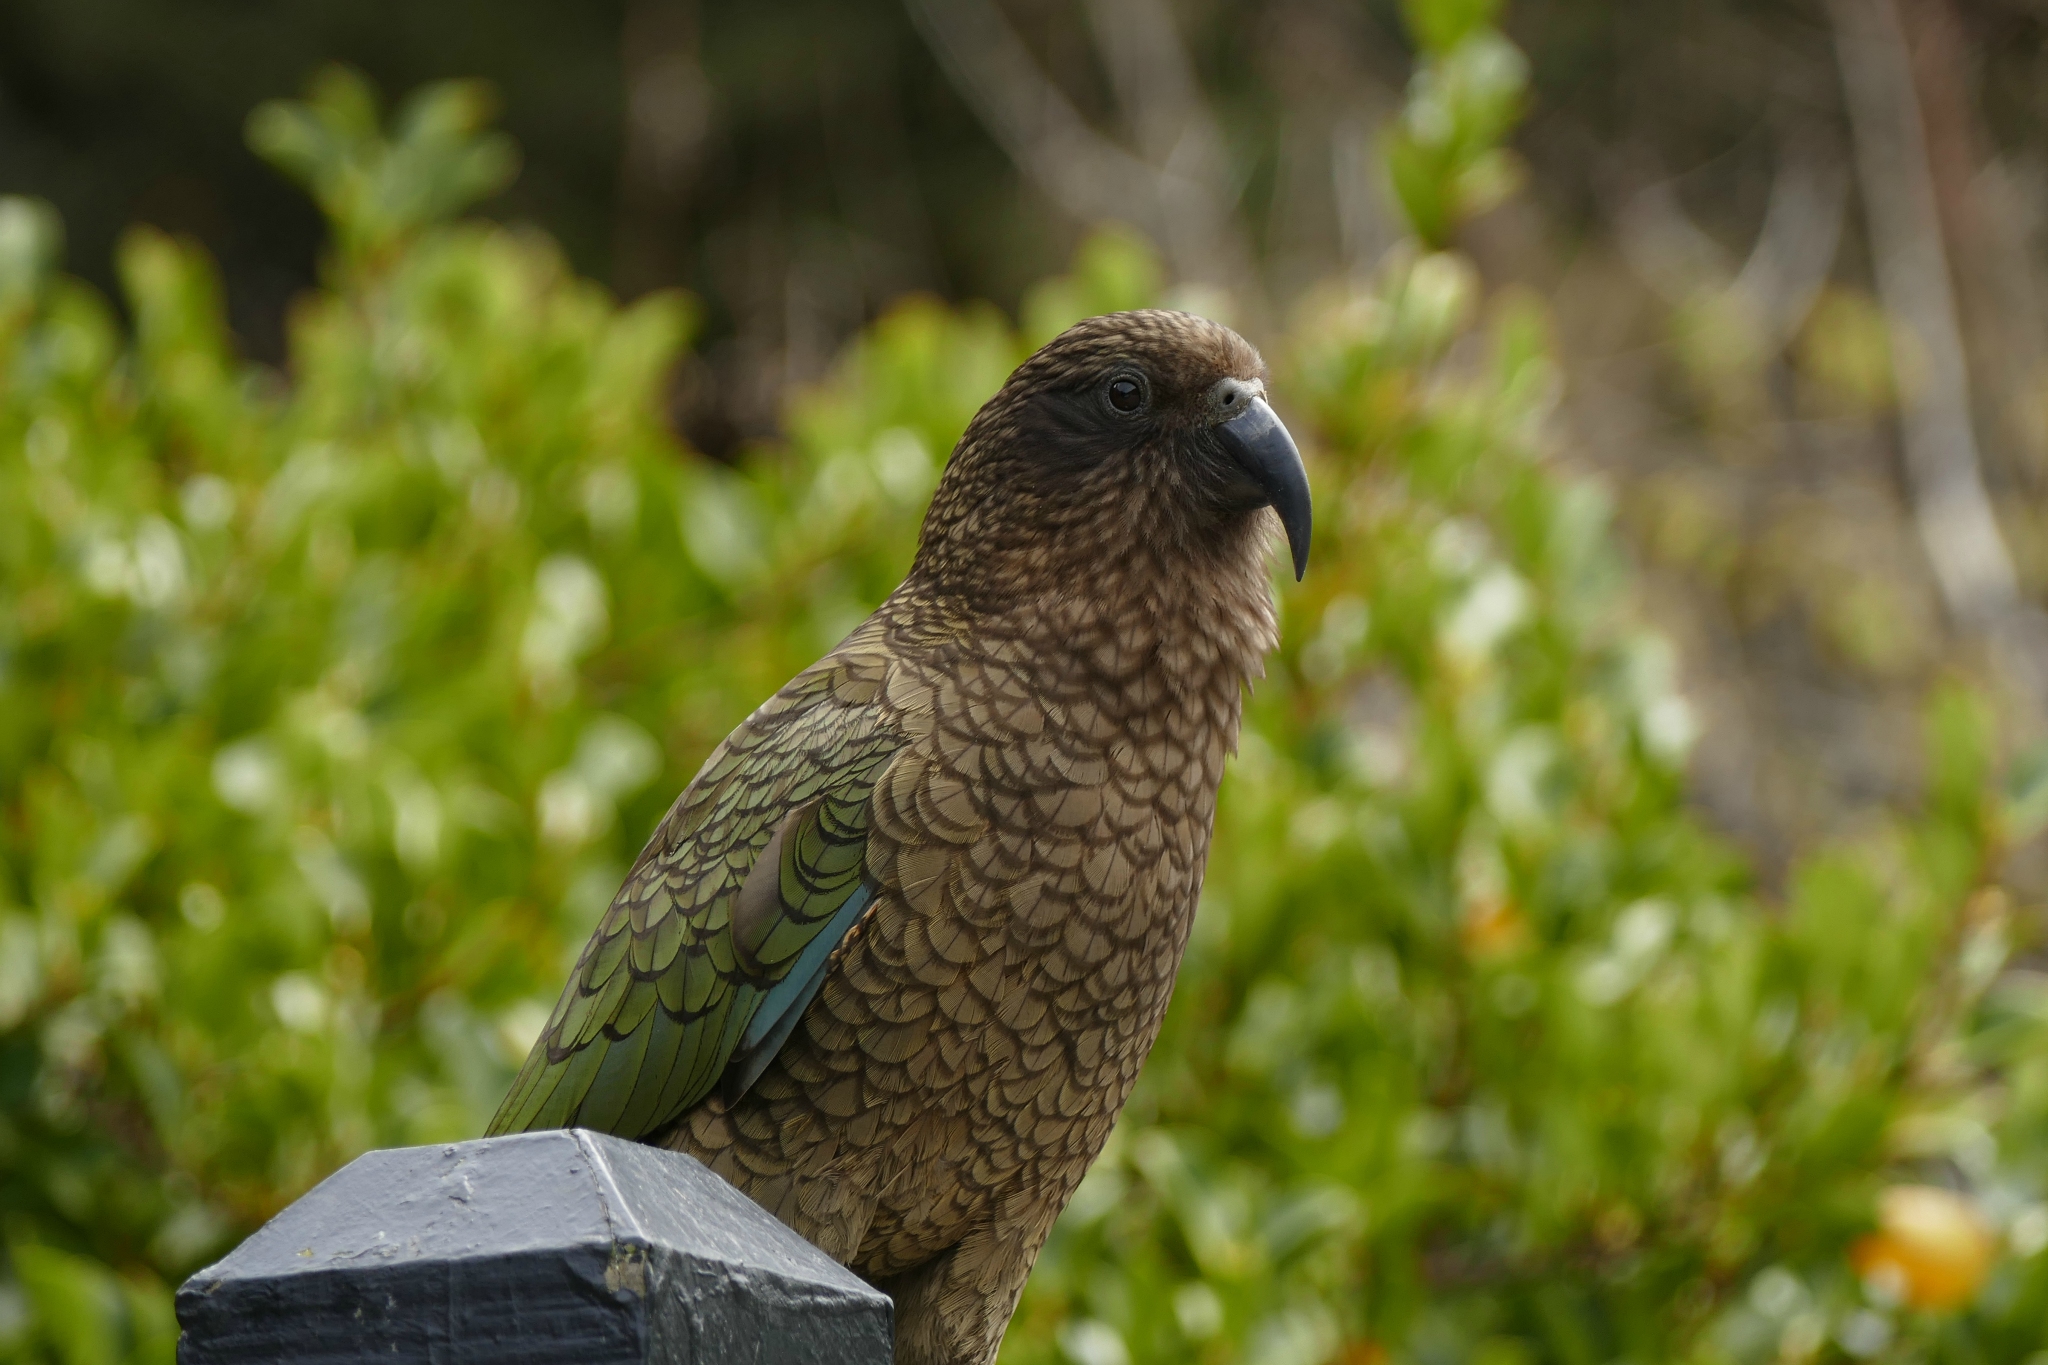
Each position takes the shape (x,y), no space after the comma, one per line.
(701,950)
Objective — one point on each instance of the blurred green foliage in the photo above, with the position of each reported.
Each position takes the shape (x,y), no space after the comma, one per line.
(1445,156)
(332,708)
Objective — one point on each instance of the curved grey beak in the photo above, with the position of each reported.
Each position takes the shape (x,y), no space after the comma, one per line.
(1260,444)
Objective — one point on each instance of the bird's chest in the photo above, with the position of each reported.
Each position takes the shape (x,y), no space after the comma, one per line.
(1040,850)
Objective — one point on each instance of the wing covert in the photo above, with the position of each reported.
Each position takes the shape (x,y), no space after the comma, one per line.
(722,931)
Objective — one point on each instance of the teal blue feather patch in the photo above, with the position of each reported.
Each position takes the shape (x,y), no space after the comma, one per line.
(780,1009)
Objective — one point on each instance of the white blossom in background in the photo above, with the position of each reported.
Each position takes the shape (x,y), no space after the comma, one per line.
(207,502)
(335,883)
(248,776)
(300,1002)
(571,615)
(1484,615)
(416,818)
(614,758)
(724,531)
(1089,1341)
(903,467)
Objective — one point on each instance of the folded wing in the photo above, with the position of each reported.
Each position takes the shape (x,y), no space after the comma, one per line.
(724,928)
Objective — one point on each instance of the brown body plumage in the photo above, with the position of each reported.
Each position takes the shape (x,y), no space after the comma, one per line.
(1060,677)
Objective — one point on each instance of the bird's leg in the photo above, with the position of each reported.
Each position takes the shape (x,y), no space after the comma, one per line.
(953,1309)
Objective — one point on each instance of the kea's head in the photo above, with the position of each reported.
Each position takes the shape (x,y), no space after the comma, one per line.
(1143,434)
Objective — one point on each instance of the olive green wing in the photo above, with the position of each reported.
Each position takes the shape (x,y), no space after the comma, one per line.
(722,931)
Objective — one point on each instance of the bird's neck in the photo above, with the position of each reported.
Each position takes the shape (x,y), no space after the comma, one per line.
(1167,626)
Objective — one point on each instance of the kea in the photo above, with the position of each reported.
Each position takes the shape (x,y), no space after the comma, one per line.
(892,961)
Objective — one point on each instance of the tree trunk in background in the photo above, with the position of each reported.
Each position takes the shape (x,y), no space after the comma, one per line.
(2003,327)
(1951,507)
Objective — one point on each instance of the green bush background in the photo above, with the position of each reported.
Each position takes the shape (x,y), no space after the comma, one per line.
(332,707)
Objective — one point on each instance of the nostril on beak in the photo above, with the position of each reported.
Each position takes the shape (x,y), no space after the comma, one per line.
(1230,397)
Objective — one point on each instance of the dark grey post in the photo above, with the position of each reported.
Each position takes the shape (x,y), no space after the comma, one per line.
(529,1250)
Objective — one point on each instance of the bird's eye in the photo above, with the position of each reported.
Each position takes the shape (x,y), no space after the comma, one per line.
(1126,394)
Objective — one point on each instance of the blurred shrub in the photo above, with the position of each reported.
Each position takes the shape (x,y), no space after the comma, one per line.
(1485,1050)
(331,710)
(1445,156)
(332,707)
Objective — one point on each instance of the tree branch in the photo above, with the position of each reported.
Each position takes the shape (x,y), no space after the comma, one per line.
(1176,190)
(1951,508)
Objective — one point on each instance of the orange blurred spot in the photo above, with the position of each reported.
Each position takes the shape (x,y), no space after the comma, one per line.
(1363,1353)
(1932,1248)
(1493,928)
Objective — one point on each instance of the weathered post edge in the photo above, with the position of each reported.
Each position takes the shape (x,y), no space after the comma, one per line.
(565,1246)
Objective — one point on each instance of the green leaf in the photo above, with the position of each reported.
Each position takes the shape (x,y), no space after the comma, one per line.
(1440,25)
(2025,812)
(31,245)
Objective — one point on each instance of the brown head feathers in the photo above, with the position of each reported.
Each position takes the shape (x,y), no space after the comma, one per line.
(1100,451)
